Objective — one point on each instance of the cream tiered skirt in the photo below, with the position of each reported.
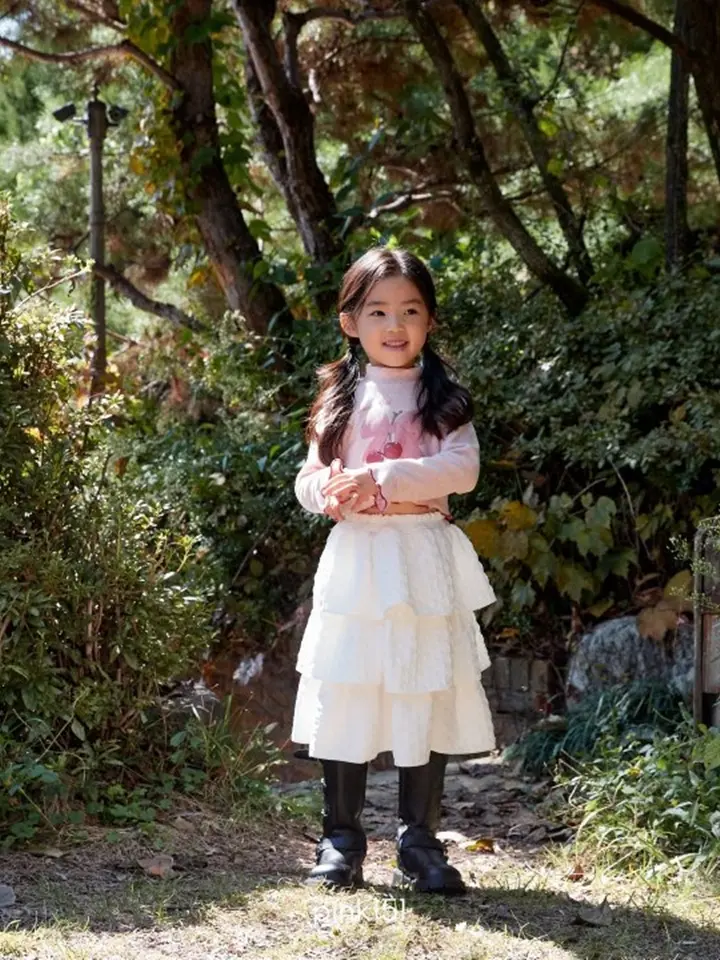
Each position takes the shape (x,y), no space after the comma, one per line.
(392,654)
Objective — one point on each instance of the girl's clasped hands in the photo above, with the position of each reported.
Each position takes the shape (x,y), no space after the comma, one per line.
(348,491)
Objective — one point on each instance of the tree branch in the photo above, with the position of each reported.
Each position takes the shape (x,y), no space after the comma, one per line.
(166,311)
(126,50)
(97,15)
(472,153)
(642,22)
(537,100)
(522,107)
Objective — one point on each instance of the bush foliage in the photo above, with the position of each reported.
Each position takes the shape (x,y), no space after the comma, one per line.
(650,802)
(599,434)
(102,598)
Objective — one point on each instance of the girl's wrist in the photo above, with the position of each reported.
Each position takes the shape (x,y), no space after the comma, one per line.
(379,497)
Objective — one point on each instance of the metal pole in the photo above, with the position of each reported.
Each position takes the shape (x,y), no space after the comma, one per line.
(97,128)
(698,620)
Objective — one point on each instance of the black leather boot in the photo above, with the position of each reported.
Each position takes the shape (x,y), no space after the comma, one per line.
(340,852)
(421,859)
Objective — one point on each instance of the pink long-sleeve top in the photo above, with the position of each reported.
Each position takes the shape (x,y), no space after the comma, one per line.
(385,435)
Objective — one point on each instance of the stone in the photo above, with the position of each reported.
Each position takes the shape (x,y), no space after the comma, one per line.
(615,653)
(490,781)
(476,767)
(7,895)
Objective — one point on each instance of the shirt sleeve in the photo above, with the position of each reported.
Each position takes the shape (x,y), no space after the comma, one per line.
(310,480)
(455,468)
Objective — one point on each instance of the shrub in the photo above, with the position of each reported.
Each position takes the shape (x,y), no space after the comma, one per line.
(614,713)
(600,435)
(214,428)
(651,802)
(102,598)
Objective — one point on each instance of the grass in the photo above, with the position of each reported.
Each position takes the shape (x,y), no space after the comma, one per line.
(237,892)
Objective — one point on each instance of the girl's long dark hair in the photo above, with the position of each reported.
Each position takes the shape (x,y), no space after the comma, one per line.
(443,404)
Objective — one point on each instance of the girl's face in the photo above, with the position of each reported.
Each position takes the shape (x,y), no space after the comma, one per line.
(392,324)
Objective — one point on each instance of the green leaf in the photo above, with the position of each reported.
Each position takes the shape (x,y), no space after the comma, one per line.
(522,595)
(78,729)
(711,754)
(601,513)
(646,256)
(29,698)
(260,229)
(514,544)
(573,581)
(548,127)
(556,166)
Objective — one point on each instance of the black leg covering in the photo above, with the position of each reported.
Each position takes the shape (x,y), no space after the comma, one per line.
(340,853)
(421,859)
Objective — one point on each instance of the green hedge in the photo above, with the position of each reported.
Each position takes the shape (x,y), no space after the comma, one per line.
(102,598)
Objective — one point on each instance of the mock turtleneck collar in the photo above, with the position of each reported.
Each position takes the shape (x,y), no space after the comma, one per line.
(391,374)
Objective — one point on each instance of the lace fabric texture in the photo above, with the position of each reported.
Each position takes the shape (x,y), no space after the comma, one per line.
(392,653)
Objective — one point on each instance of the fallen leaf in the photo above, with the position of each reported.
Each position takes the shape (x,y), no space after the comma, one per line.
(160,866)
(655,622)
(577,873)
(180,824)
(480,845)
(7,895)
(594,916)
(47,852)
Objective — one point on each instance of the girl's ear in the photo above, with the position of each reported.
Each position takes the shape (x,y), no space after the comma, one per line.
(348,325)
(432,324)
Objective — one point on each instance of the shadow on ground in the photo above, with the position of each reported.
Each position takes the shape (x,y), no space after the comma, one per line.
(101,894)
(254,873)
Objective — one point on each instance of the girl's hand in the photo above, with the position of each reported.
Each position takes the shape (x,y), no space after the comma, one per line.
(334,509)
(351,486)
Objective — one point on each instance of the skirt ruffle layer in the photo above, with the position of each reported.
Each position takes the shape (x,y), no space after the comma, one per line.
(356,722)
(404,653)
(373,563)
(392,653)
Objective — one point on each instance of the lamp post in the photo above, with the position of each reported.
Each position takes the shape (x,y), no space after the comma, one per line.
(97,121)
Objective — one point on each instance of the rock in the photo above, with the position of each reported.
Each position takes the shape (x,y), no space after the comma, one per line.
(490,781)
(491,819)
(476,767)
(161,866)
(615,653)
(537,835)
(191,698)
(7,896)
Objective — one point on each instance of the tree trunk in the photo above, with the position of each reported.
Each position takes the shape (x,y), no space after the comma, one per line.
(269,139)
(232,249)
(311,203)
(703,35)
(535,138)
(471,150)
(702,52)
(676,151)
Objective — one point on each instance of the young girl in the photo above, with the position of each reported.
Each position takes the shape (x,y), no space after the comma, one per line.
(392,654)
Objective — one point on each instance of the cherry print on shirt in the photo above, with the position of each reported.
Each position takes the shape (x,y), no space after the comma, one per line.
(393,437)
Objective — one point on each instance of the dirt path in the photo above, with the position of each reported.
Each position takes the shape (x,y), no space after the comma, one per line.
(236,891)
